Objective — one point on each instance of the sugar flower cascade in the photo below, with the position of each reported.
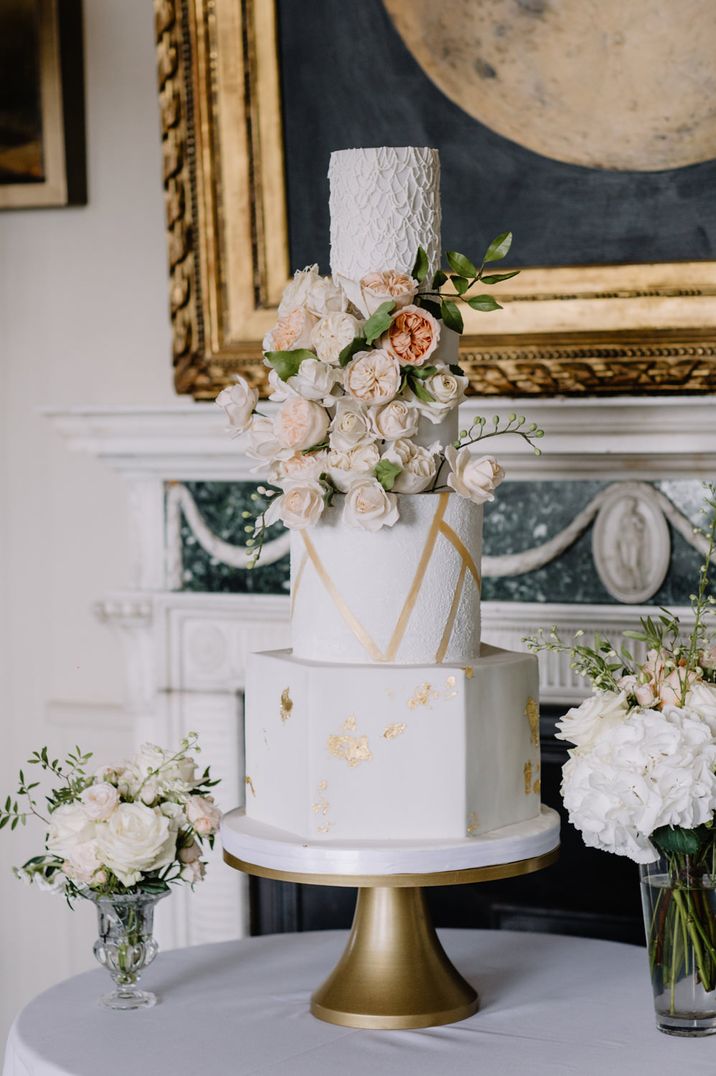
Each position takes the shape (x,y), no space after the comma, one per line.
(358,374)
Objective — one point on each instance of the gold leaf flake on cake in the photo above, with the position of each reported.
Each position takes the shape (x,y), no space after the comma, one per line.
(321,807)
(450,687)
(422,696)
(528,777)
(250,784)
(396,729)
(473,824)
(325,827)
(469,672)
(537,786)
(350,723)
(322,785)
(286,704)
(532,715)
(353,749)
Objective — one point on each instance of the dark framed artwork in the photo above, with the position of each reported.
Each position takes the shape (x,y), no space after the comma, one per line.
(42,154)
(598,154)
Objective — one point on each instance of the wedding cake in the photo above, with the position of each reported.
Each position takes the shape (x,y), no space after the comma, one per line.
(388,719)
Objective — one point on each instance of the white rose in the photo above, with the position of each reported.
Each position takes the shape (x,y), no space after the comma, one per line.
(373,377)
(70,825)
(100,800)
(583,725)
(135,840)
(473,477)
(345,467)
(309,289)
(702,700)
(260,442)
(389,286)
(300,424)
(238,401)
(300,505)
(315,380)
(419,466)
(395,419)
(83,864)
(291,332)
(447,390)
(280,390)
(204,815)
(368,506)
(350,425)
(332,333)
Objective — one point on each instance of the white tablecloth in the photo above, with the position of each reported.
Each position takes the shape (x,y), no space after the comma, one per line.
(549,1005)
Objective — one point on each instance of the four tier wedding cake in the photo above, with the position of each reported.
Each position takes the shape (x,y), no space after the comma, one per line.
(388,719)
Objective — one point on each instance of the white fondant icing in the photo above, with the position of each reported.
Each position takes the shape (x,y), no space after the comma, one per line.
(350,587)
(384,204)
(264,846)
(391,752)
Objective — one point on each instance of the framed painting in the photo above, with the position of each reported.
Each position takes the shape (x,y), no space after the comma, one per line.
(601,162)
(42,157)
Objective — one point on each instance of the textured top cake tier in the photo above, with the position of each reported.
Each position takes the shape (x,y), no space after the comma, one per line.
(384,203)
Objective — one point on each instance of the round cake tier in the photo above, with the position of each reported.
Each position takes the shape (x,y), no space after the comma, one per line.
(384,204)
(407,594)
(272,849)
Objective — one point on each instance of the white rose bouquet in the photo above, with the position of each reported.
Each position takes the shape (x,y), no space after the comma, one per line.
(641,776)
(137,827)
(355,370)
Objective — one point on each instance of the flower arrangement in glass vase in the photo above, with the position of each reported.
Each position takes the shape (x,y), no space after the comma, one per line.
(358,372)
(641,782)
(121,837)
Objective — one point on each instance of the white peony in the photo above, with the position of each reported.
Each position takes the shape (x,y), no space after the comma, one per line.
(584,724)
(350,425)
(447,389)
(70,825)
(297,468)
(368,506)
(654,769)
(395,419)
(259,442)
(332,333)
(135,840)
(701,700)
(419,466)
(300,424)
(100,800)
(315,380)
(300,505)
(238,401)
(345,467)
(473,477)
(316,293)
(203,814)
(373,377)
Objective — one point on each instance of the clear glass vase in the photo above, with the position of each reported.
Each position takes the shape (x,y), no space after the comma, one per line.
(679,900)
(126,946)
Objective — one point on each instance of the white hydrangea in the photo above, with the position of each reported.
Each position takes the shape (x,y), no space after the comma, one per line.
(653,769)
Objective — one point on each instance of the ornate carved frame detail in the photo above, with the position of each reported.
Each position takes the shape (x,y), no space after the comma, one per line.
(574,331)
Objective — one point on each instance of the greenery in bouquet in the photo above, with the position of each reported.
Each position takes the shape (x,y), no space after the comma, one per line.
(641,776)
(356,367)
(135,827)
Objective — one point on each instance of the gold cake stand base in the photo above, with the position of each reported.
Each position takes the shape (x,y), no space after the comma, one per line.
(394,973)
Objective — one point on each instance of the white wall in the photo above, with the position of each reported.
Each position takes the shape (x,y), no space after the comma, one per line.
(83,319)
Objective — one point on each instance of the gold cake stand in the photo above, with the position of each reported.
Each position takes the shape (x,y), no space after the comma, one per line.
(394,973)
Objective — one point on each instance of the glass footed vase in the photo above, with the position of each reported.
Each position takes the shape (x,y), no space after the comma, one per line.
(679,901)
(126,946)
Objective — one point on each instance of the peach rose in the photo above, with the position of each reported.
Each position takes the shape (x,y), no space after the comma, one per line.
(291,331)
(412,336)
(390,285)
(300,505)
(299,466)
(373,377)
(472,477)
(300,424)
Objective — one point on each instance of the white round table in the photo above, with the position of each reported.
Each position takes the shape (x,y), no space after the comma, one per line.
(551,1006)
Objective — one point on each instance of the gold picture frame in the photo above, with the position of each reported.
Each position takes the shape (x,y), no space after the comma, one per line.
(42,130)
(648,328)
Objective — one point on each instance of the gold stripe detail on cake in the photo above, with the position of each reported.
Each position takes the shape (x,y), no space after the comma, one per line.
(423,563)
(462,549)
(450,622)
(297,582)
(356,627)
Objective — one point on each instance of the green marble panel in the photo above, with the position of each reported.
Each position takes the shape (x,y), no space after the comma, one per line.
(522,515)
